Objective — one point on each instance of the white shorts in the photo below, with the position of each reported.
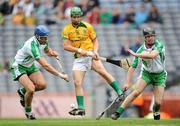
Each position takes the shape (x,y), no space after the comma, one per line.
(82,64)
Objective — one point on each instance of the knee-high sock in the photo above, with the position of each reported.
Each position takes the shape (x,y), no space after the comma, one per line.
(120,110)
(80,102)
(22,90)
(115,86)
(156,107)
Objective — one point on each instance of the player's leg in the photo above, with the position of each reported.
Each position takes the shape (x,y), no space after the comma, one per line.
(138,89)
(32,69)
(98,67)
(30,89)
(78,77)
(159,81)
(38,79)
(158,97)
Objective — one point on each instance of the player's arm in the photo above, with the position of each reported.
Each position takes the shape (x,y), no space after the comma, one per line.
(50,68)
(95,49)
(96,45)
(93,36)
(129,77)
(145,55)
(67,45)
(130,72)
(51,52)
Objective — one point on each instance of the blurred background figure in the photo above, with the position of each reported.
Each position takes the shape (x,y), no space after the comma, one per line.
(117,16)
(18,16)
(130,17)
(136,44)
(141,15)
(93,17)
(105,17)
(124,47)
(154,16)
(2,21)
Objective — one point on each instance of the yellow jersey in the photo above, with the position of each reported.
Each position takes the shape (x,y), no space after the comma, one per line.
(81,37)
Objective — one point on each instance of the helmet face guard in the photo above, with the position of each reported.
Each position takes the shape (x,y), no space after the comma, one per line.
(43,39)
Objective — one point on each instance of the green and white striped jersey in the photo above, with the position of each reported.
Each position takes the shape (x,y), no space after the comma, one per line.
(155,65)
(29,52)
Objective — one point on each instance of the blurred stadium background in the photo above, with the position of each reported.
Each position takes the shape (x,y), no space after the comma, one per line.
(118,24)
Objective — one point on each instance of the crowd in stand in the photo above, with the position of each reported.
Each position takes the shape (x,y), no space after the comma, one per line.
(27,12)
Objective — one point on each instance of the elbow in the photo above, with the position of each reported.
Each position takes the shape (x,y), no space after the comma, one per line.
(46,65)
(65,48)
(152,56)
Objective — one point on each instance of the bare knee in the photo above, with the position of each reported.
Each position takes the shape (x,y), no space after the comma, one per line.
(41,86)
(30,90)
(77,83)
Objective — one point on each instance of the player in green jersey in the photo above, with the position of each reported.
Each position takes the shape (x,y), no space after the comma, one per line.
(25,71)
(152,55)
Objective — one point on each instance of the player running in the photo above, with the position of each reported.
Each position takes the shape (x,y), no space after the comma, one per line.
(79,38)
(25,71)
(152,54)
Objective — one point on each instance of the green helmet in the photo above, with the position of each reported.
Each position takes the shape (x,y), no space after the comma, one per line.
(76,11)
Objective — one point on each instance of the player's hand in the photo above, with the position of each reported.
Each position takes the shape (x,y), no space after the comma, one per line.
(131,52)
(82,52)
(126,87)
(96,56)
(65,77)
(54,54)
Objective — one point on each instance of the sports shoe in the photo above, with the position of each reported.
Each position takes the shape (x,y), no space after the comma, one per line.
(76,111)
(156,115)
(30,116)
(22,100)
(115,116)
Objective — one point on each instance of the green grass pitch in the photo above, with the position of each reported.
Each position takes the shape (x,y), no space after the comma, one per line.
(90,122)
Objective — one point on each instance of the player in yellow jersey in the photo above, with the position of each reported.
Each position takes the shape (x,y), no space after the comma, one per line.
(79,38)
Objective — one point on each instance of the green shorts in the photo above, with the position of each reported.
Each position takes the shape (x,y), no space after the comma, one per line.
(20,70)
(156,79)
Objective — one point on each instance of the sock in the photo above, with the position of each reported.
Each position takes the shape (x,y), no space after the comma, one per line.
(120,110)
(115,86)
(22,90)
(27,109)
(156,107)
(80,102)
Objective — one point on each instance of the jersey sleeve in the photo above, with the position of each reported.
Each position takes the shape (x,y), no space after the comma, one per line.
(159,46)
(135,62)
(64,34)
(35,51)
(92,32)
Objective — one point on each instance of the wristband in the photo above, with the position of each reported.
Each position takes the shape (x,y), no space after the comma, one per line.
(89,53)
(79,50)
